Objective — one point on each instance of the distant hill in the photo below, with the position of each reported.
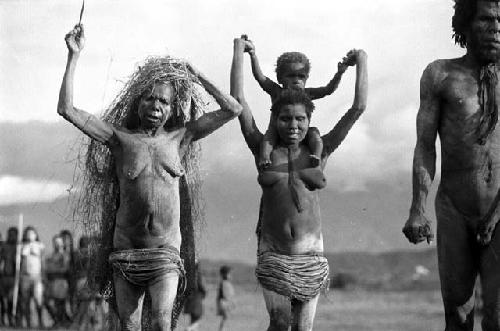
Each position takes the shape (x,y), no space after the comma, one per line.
(395,270)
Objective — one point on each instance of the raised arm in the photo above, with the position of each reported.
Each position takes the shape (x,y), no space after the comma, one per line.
(417,227)
(249,129)
(335,137)
(87,123)
(321,92)
(209,122)
(265,82)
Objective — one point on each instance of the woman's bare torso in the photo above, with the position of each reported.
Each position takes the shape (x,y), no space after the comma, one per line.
(283,228)
(148,170)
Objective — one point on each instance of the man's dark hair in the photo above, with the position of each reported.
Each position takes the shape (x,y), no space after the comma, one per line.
(465,10)
(291,57)
(292,97)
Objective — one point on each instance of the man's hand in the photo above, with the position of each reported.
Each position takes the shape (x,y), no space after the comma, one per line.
(75,39)
(418,228)
(486,227)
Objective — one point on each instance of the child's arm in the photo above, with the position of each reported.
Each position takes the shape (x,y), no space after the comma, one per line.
(265,82)
(321,92)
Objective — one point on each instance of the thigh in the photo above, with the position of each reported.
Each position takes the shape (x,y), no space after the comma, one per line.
(490,282)
(457,253)
(278,307)
(25,287)
(129,299)
(38,291)
(303,313)
(163,292)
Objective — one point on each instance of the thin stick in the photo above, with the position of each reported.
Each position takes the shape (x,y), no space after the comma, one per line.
(18,265)
(81,12)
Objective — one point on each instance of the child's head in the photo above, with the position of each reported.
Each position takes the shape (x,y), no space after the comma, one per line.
(58,243)
(225,272)
(30,234)
(292,70)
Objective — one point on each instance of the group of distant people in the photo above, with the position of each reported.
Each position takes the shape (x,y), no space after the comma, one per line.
(55,283)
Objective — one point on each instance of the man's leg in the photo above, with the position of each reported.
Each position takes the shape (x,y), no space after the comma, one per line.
(129,299)
(303,314)
(456,244)
(490,282)
(279,310)
(163,294)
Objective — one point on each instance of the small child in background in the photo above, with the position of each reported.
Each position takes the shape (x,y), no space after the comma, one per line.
(225,295)
(292,71)
(31,285)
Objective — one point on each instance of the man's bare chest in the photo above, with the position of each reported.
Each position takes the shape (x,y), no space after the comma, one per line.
(460,96)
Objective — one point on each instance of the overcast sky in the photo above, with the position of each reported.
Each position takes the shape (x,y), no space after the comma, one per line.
(400,36)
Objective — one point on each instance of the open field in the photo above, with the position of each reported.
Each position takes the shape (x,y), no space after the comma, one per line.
(343,311)
(357,310)
(383,297)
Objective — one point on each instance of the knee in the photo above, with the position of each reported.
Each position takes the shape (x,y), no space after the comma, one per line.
(279,320)
(161,320)
(130,324)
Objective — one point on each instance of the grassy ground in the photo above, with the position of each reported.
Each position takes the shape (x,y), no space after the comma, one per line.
(339,311)
(343,311)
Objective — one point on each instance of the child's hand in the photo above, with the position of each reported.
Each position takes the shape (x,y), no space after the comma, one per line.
(353,56)
(249,46)
(350,58)
(342,67)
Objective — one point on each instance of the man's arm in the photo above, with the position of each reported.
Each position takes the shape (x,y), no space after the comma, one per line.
(265,82)
(418,227)
(208,123)
(87,123)
(249,129)
(335,137)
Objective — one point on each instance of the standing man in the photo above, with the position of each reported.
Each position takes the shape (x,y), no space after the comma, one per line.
(458,100)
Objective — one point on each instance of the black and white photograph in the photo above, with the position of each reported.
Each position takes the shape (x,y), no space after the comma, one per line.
(249,165)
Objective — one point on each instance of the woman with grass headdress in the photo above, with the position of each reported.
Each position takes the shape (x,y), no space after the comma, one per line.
(290,265)
(150,128)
